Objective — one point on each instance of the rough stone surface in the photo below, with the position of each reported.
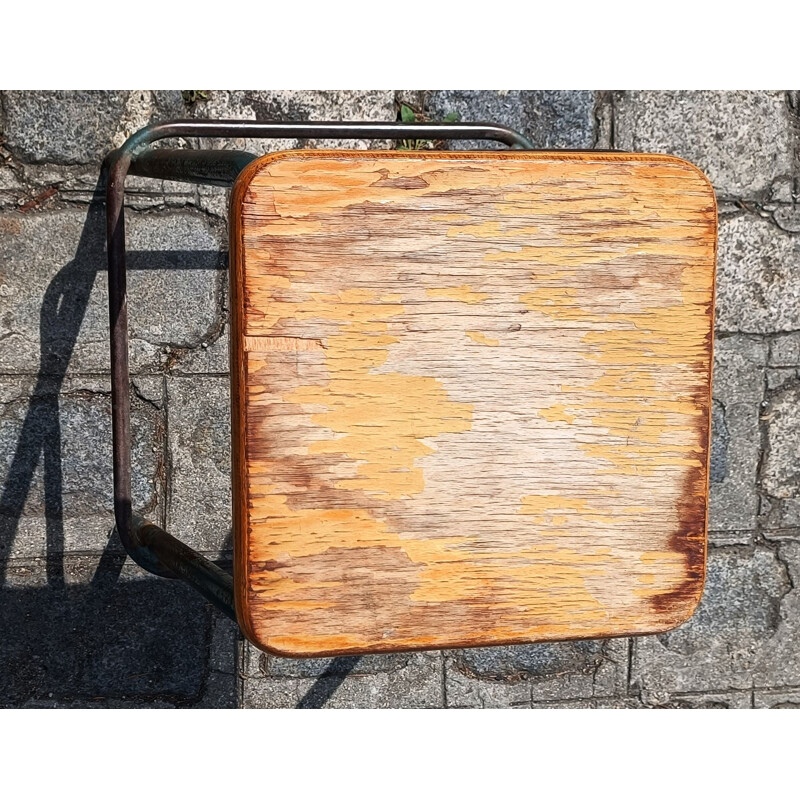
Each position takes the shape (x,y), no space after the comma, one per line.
(408,681)
(788,218)
(720,441)
(55,463)
(525,674)
(785,350)
(742,140)
(738,390)
(199,510)
(550,119)
(62,127)
(709,700)
(53,289)
(104,637)
(744,635)
(758,277)
(780,473)
(84,628)
(298,106)
(777,698)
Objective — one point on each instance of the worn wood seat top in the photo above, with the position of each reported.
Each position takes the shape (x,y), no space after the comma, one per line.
(470,397)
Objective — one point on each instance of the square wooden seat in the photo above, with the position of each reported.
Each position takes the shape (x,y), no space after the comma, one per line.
(470,397)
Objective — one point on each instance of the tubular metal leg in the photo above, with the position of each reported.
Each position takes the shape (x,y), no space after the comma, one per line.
(147,544)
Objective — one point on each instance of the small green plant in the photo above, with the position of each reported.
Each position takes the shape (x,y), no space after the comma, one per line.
(193,96)
(410,115)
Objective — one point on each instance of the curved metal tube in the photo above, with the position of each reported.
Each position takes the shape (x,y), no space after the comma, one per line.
(147,544)
(209,167)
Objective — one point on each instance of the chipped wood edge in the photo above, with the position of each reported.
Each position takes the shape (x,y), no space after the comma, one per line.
(239,349)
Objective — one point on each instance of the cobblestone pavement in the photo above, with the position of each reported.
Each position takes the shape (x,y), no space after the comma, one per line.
(83,627)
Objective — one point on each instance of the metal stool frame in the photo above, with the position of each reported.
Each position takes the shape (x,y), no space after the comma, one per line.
(146,543)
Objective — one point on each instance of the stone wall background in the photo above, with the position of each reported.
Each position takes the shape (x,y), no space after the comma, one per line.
(83,627)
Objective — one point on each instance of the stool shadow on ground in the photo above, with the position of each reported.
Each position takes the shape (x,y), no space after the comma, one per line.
(328,682)
(76,632)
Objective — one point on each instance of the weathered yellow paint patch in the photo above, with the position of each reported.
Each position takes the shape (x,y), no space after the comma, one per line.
(381,418)
(493,229)
(557,413)
(538,504)
(481,338)
(448,570)
(256,344)
(660,556)
(629,404)
(451,217)
(463,294)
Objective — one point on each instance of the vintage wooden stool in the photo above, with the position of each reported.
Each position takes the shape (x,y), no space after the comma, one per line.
(470,389)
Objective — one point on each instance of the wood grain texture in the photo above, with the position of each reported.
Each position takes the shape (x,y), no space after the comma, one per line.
(471,397)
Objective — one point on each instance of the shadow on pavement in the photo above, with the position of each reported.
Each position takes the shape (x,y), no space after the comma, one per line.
(83,634)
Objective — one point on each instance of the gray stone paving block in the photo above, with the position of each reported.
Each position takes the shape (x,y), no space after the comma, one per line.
(66,127)
(781,377)
(780,474)
(739,363)
(507,676)
(562,704)
(785,350)
(291,105)
(416,684)
(220,688)
(55,463)
(738,389)
(199,510)
(258,664)
(176,281)
(219,691)
(744,635)
(782,192)
(758,277)
(214,200)
(105,638)
(466,691)
(224,647)
(780,471)
(548,118)
(81,702)
(780,519)
(53,295)
(788,218)
(270,666)
(720,440)
(789,698)
(212,357)
(709,700)
(12,187)
(741,140)
(603,702)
